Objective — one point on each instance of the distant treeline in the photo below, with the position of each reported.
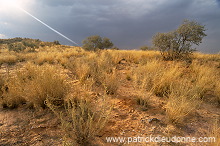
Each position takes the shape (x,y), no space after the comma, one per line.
(20,44)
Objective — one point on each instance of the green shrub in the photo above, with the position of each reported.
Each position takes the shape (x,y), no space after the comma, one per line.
(145,48)
(94,43)
(17,47)
(178,44)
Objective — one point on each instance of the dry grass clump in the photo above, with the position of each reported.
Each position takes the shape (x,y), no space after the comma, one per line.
(72,51)
(180,85)
(217,92)
(57,54)
(156,77)
(2,82)
(106,61)
(12,93)
(170,75)
(26,56)
(80,67)
(34,84)
(8,58)
(145,75)
(181,102)
(143,100)
(204,77)
(45,57)
(81,121)
(47,83)
(111,83)
(133,56)
(11,57)
(95,69)
(204,58)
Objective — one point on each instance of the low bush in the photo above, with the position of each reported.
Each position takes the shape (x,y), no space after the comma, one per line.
(95,43)
(81,121)
(17,47)
(177,44)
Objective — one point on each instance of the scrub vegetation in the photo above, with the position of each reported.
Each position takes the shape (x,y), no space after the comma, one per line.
(71,96)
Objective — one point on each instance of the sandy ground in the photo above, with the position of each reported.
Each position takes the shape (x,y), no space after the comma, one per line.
(28,127)
(24,126)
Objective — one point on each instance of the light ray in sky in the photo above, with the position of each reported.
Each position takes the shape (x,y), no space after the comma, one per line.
(48,26)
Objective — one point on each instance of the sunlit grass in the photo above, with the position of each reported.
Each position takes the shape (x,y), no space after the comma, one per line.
(55,77)
(34,84)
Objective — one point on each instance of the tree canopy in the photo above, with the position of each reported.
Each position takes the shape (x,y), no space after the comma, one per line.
(93,43)
(178,43)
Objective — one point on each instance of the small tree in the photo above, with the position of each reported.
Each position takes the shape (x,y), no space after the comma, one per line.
(115,48)
(178,43)
(95,42)
(145,48)
(56,42)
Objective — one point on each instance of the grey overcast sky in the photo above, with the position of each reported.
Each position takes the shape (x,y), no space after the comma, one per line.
(128,23)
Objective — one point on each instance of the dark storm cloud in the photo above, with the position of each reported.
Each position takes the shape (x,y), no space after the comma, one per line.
(57,2)
(75,2)
(128,23)
(218,1)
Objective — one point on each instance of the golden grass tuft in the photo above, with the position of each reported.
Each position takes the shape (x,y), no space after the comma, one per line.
(145,75)
(8,58)
(133,56)
(111,83)
(204,77)
(181,102)
(34,84)
(45,57)
(2,83)
(162,83)
(95,70)
(82,121)
(217,92)
(156,77)
(12,92)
